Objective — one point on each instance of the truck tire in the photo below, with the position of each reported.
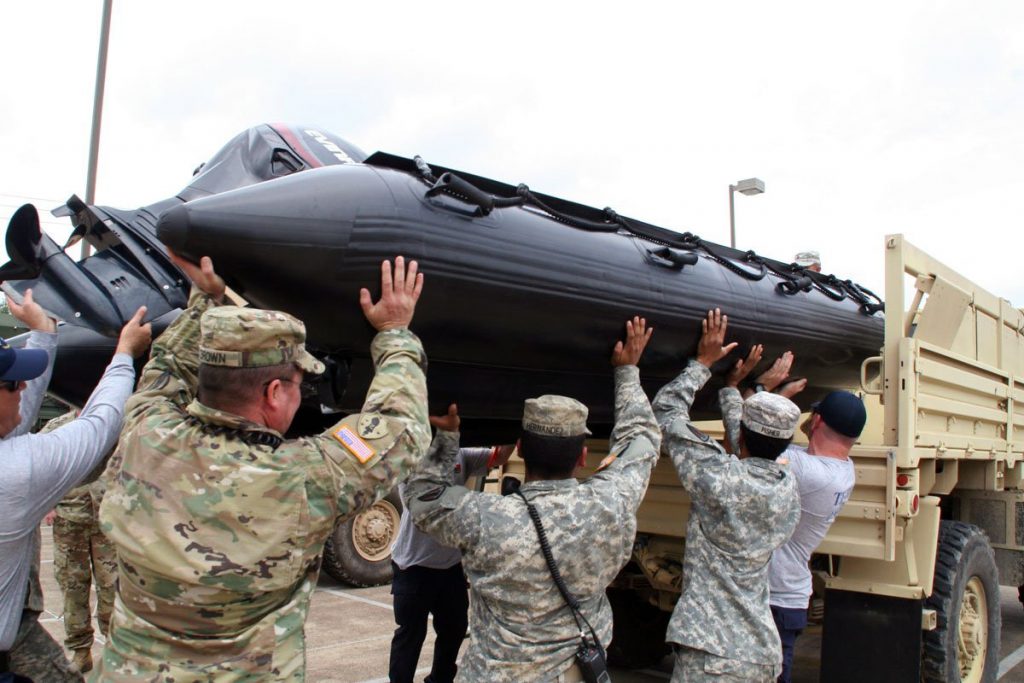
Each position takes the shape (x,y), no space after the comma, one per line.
(358,552)
(638,631)
(964,647)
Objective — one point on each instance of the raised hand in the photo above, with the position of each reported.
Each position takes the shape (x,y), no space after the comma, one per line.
(777,373)
(791,389)
(31,313)
(203,276)
(449,422)
(637,336)
(135,337)
(398,296)
(712,347)
(744,366)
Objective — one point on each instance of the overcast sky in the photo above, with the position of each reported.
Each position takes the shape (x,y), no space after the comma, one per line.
(863,119)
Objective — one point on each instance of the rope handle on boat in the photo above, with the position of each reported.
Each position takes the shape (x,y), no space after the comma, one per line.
(794,278)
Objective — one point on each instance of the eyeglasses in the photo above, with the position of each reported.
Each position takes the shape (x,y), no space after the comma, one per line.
(10,385)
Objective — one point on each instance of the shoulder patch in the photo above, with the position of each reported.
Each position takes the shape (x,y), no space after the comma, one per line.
(432,494)
(356,446)
(699,434)
(372,426)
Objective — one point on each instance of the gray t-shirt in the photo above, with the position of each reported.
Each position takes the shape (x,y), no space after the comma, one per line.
(825,485)
(415,548)
(38,469)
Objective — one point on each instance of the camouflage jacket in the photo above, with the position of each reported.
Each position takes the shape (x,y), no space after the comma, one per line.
(219,524)
(741,511)
(730,401)
(522,629)
(81,503)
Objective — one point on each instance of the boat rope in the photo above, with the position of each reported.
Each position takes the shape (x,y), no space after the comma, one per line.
(794,279)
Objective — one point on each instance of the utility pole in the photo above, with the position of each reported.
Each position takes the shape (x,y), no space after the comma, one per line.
(97,113)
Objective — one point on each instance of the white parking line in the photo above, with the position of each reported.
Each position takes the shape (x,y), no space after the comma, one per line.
(1009,661)
(349,642)
(357,598)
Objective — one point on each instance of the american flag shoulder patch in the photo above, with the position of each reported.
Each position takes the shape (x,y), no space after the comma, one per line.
(354,444)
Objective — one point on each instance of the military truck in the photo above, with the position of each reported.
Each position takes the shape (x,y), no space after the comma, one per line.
(911,569)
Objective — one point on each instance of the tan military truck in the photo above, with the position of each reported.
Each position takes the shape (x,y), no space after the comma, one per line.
(911,568)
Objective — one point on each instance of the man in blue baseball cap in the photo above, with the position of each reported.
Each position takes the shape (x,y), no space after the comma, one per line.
(825,475)
(36,470)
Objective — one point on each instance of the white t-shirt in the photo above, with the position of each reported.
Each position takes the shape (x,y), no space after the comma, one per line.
(825,485)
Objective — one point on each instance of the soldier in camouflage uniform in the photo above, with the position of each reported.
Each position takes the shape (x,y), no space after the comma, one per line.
(82,555)
(521,628)
(741,510)
(219,521)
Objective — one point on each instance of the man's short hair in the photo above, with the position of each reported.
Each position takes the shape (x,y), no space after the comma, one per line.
(761,446)
(550,457)
(224,387)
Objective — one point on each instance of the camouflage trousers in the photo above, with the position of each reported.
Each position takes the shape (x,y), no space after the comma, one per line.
(37,656)
(697,666)
(82,555)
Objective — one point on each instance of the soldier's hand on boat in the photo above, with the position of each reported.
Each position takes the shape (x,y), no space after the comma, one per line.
(202,276)
(744,366)
(712,347)
(792,388)
(777,373)
(135,337)
(31,313)
(449,422)
(637,336)
(398,296)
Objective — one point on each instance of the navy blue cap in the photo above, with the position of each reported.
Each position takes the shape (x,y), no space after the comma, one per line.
(843,412)
(21,365)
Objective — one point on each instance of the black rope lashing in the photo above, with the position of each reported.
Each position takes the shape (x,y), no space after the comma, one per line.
(794,278)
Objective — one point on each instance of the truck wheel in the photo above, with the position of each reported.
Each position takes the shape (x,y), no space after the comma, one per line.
(359,550)
(964,648)
(638,631)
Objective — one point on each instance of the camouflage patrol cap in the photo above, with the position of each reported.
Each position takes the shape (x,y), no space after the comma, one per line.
(238,337)
(771,415)
(551,415)
(808,258)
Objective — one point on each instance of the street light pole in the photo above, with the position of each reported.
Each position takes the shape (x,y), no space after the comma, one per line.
(97,112)
(732,217)
(750,186)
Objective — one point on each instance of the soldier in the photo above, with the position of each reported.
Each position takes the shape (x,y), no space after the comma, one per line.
(429,580)
(810,260)
(218,520)
(522,629)
(38,469)
(82,555)
(825,476)
(741,510)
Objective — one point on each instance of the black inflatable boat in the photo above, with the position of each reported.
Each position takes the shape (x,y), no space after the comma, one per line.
(525,293)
